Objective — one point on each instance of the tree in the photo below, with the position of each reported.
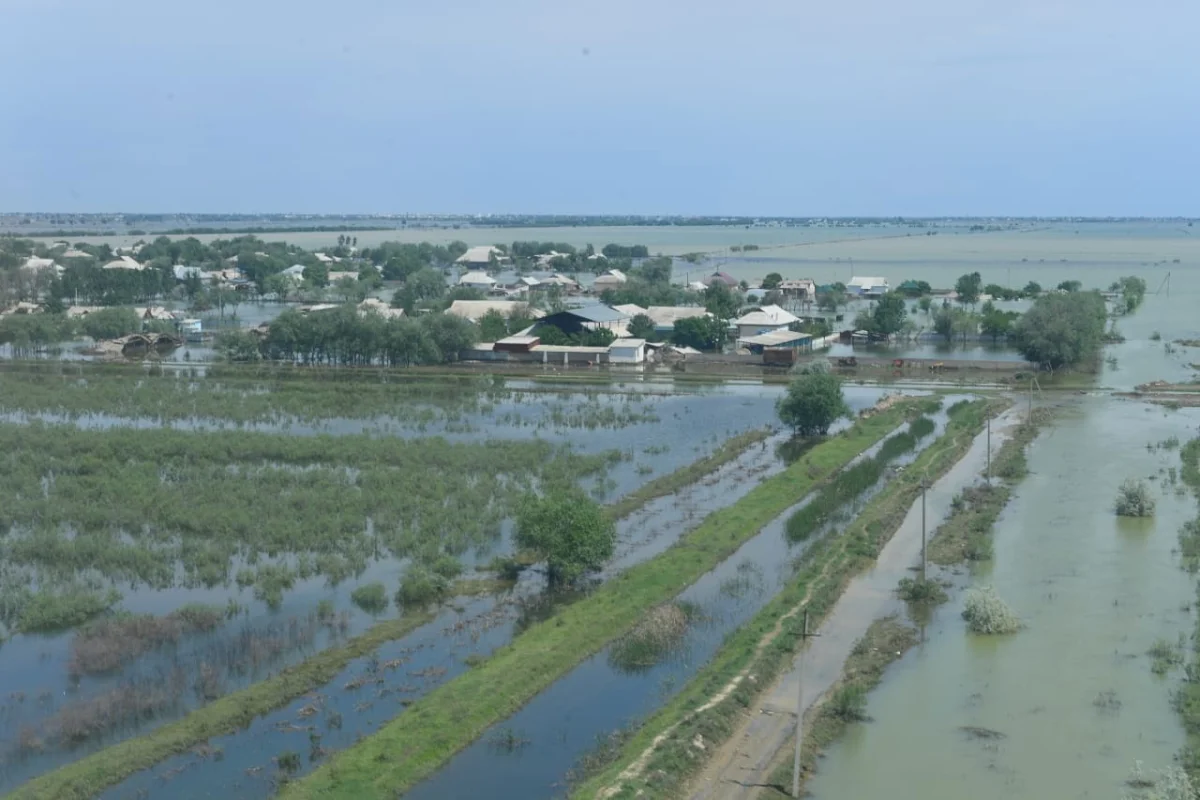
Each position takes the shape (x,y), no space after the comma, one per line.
(925,304)
(317,275)
(832,299)
(567,530)
(279,285)
(813,403)
(351,289)
(1032,289)
(641,327)
(721,301)
(1061,329)
(109,323)
(237,346)
(889,315)
(968,288)
(1133,291)
(493,326)
(772,281)
(997,323)
(1070,286)
(703,333)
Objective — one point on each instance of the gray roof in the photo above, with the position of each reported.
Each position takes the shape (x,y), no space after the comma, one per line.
(597,313)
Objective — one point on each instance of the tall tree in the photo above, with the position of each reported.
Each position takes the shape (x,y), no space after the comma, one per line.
(968,288)
(567,530)
(813,403)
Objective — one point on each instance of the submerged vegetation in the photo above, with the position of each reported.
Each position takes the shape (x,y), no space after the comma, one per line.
(1134,500)
(657,634)
(986,613)
(458,712)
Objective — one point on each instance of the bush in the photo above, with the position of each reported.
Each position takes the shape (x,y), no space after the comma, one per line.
(1172,783)
(421,586)
(1062,329)
(987,614)
(46,611)
(370,597)
(657,634)
(1134,500)
(848,704)
(918,590)
(109,323)
(447,566)
(567,530)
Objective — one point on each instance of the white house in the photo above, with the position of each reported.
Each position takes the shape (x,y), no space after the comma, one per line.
(35,265)
(627,351)
(294,271)
(373,305)
(763,319)
(473,310)
(124,262)
(610,279)
(867,287)
(800,289)
(477,280)
(481,256)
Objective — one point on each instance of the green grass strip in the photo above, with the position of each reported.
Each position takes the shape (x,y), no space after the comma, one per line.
(825,570)
(92,775)
(413,746)
(666,484)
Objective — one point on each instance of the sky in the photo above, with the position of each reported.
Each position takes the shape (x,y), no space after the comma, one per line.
(755,107)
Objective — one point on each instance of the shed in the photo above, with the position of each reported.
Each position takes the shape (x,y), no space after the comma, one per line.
(627,351)
(774,340)
(867,287)
(800,289)
(574,320)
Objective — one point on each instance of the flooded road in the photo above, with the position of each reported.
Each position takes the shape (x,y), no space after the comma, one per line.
(1072,694)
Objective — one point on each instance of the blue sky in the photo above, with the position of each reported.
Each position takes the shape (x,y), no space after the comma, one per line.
(765,107)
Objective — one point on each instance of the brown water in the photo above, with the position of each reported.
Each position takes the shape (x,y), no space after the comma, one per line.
(1095,591)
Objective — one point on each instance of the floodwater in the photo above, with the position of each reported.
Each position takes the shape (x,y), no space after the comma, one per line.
(561,724)
(435,651)
(1095,591)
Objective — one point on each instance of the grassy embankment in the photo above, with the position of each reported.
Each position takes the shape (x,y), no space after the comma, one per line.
(1187,696)
(709,708)
(90,775)
(413,746)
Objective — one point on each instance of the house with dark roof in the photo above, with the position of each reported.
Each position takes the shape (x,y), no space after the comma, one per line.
(721,277)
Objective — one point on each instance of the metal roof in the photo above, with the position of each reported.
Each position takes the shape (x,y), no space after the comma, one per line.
(775,338)
(596,313)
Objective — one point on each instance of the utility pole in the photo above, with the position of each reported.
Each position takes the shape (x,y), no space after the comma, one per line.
(923,559)
(804,636)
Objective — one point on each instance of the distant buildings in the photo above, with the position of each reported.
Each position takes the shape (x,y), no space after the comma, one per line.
(124,262)
(477,280)
(610,279)
(474,310)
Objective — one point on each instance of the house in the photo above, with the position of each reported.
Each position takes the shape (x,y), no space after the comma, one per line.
(294,271)
(665,317)
(630,309)
(474,310)
(182,273)
(334,277)
(763,319)
(545,259)
(610,279)
(627,351)
(325,259)
(477,280)
(558,279)
(782,339)
(34,264)
(574,320)
(154,313)
(74,253)
(721,277)
(77,312)
(799,289)
(373,305)
(867,287)
(481,256)
(124,262)
(23,307)
(516,344)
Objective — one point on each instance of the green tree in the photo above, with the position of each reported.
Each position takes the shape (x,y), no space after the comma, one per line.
(832,300)
(997,323)
(641,327)
(813,403)
(772,281)
(721,301)
(925,304)
(493,326)
(1133,291)
(109,323)
(1061,329)
(1070,286)
(316,275)
(351,290)
(279,285)
(1032,289)
(702,333)
(889,314)
(567,530)
(237,346)
(969,288)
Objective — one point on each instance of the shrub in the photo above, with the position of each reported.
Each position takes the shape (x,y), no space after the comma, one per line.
(421,586)
(1171,783)
(447,566)
(987,614)
(921,427)
(812,404)
(918,590)
(47,611)
(848,704)
(657,634)
(1134,500)
(370,597)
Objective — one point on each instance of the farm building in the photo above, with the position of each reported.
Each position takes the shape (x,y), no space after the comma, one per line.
(776,340)
(763,319)
(627,351)
(574,320)
(665,317)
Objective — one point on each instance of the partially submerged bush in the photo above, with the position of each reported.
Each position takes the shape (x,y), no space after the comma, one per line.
(920,590)
(1171,783)
(370,597)
(849,704)
(1134,500)
(420,586)
(987,614)
(657,634)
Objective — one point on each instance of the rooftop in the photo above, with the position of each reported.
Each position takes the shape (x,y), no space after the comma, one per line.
(475,309)
(480,254)
(596,313)
(476,277)
(775,338)
(767,315)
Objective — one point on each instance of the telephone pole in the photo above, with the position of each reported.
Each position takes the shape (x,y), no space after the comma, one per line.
(988,473)
(804,636)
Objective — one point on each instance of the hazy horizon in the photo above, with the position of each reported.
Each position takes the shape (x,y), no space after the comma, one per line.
(1034,108)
